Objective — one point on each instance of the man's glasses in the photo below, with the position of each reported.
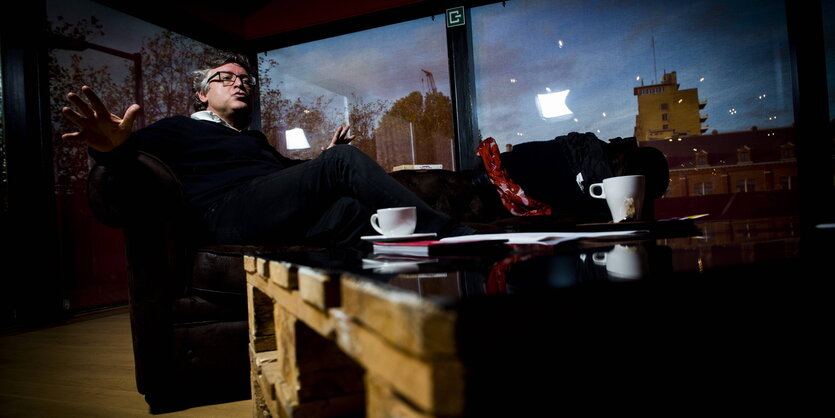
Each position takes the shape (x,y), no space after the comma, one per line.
(228,78)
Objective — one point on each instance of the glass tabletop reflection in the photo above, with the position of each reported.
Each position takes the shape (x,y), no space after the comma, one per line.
(726,252)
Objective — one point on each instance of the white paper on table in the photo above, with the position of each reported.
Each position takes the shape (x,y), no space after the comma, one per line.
(543,238)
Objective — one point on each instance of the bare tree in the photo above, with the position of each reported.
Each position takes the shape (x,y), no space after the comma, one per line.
(167,61)
(279,114)
(273,103)
(316,116)
(424,122)
(68,72)
(364,117)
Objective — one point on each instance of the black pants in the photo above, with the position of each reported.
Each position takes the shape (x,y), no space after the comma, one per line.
(324,201)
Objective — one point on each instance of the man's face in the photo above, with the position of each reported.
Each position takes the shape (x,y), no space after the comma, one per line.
(228,101)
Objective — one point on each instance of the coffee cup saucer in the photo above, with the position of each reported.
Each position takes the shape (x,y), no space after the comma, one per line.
(395,238)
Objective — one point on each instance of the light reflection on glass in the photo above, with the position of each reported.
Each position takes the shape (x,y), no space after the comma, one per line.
(296,139)
(552,104)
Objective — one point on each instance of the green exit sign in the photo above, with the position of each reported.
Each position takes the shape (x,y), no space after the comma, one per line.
(455,17)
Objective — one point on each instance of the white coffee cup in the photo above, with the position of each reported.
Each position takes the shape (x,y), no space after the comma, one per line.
(623,194)
(395,221)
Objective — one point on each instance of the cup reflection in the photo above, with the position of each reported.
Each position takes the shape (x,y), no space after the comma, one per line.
(624,262)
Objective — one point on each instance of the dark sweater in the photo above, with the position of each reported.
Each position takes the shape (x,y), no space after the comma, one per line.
(208,158)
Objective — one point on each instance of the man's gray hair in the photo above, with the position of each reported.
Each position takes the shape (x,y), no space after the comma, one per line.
(200,78)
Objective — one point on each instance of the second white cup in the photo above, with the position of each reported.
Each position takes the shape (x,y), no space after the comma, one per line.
(623,194)
(395,221)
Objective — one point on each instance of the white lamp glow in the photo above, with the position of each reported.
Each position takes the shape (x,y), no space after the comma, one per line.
(552,104)
(296,139)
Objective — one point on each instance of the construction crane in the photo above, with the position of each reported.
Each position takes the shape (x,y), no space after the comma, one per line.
(431,81)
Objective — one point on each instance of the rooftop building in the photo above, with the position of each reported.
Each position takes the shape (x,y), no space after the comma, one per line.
(665,111)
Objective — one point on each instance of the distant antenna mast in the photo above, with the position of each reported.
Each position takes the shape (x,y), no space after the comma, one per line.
(654,66)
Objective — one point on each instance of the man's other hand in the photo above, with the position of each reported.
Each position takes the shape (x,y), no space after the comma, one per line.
(100,129)
(340,136)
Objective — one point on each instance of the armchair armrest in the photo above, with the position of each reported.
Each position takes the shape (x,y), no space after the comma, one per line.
(139,191)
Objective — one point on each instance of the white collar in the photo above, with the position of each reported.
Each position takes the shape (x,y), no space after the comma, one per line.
(210,116)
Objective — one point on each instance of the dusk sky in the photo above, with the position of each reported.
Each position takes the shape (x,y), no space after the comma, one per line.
(378,64)
(734,52)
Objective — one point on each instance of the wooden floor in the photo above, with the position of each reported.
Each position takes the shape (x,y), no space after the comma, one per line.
(81,369)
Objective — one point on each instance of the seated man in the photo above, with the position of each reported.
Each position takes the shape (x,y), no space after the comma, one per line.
(240,189)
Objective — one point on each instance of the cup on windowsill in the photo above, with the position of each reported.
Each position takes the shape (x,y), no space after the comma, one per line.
(624,195)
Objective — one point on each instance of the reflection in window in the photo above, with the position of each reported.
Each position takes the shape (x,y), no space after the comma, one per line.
(746,185)
(743,154)
(702,189)
(787,182)
(701,158)
(728,57)
(679,76)
(108,62)
(787,151)
(390,84)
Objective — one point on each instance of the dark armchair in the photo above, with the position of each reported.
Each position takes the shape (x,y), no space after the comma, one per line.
(187,301)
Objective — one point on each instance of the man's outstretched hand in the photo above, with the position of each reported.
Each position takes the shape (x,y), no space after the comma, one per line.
(99,128)
(340,136)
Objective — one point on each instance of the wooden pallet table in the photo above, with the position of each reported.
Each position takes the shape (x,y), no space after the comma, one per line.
(549,335)
(325,344)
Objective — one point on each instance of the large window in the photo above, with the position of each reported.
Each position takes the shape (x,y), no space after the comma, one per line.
(113,46)
(97,46)
(595,53)
(704,75)
(390,84)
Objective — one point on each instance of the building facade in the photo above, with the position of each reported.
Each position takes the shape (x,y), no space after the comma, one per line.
(665,111)
(734,162)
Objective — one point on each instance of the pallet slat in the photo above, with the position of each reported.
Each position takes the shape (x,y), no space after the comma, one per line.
(402,318)
(434,385)
(319,288)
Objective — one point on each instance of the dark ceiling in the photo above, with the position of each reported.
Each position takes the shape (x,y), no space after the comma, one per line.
(265,24)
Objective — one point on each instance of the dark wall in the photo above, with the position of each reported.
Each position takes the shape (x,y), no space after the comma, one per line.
(29,279)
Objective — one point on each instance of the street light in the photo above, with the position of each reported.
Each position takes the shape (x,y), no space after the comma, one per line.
(57,41)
